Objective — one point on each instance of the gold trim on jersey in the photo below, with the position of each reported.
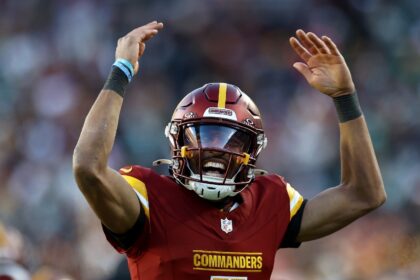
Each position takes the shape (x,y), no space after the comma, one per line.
(141,191)
(126,170)
(222,95)
(295,200)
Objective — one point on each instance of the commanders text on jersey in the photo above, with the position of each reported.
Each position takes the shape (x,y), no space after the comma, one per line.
(227,261)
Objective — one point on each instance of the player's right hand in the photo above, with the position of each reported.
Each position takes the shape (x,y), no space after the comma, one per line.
(131,46)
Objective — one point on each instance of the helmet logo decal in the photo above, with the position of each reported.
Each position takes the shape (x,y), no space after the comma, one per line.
(226,225)
(223,113)
(222,95)
(190,115)
(249,122)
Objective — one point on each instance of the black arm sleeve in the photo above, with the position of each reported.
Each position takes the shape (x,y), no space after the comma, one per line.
(126,240)
(289,238)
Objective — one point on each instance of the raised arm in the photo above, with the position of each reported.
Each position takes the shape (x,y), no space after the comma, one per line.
(361,189)
(109,195)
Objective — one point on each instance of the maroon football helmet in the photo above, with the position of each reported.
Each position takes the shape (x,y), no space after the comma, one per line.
(216,135)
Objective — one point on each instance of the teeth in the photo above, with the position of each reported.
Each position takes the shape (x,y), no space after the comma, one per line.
(215,165)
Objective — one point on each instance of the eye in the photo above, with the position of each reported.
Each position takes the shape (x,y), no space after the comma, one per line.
(234,143)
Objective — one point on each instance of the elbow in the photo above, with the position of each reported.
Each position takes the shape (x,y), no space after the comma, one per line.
(85,167)
(86,176)
(376,198)
(367,198)
(379,200)
(82,170)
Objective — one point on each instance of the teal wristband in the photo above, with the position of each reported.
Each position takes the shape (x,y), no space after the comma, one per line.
(128,64)
(126,67)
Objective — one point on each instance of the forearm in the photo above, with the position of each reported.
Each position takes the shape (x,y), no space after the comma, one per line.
(360,191)
(360,172)
(98,132)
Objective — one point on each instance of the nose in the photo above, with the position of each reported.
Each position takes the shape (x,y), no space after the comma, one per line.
(214,142)
(216,155)
(213,153)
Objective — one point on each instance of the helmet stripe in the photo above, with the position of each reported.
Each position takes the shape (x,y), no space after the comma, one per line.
(222,95)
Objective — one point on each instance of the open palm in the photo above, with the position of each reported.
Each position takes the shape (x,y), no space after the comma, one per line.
(324,67)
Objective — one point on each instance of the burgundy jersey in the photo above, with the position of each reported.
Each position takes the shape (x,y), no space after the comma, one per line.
(187,237)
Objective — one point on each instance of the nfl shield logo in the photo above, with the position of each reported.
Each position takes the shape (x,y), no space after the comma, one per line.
(226,225)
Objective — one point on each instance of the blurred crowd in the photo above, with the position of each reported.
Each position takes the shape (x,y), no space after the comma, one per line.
(56,54)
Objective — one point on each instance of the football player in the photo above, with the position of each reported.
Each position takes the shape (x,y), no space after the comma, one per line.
(217,216)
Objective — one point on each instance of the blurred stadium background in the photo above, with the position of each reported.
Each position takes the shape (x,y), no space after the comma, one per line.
(55,56)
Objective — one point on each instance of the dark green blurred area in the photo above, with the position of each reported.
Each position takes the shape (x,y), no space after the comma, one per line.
(55,56)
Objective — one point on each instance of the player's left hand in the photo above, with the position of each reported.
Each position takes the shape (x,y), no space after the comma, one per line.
(324,67)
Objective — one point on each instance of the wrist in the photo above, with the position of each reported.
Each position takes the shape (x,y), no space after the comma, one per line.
(122,72)
(125,66)
(117,81)
(347,107)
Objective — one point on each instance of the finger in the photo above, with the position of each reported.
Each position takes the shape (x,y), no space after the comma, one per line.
(142,47)
(141,35)
(152,22)
(303,69)
(333,48)
(137,33)
(299,49)
(303,38)
(149,34)
(319,44)
(155,24)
